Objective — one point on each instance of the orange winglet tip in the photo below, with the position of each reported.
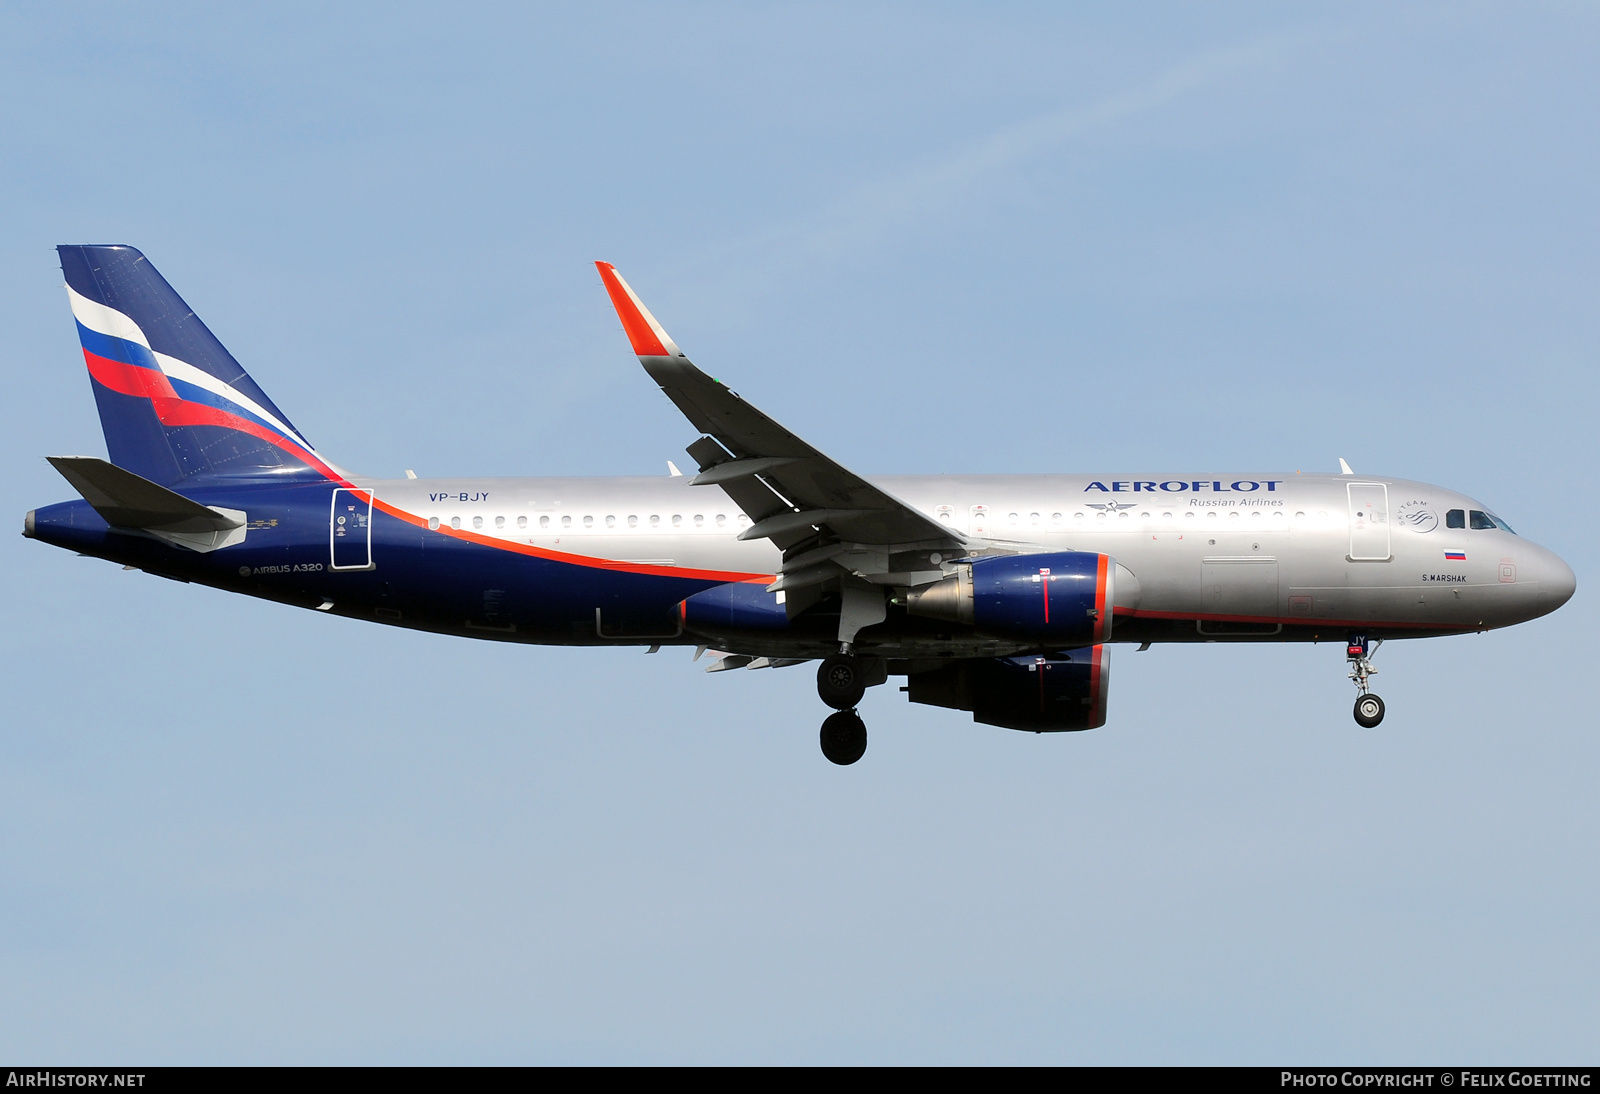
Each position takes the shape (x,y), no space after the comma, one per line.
(644,333)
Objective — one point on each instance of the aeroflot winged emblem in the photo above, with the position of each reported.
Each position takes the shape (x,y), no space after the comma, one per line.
(1110,506)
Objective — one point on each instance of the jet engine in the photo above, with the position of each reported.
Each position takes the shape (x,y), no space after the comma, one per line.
(1062,599)
(1063,691)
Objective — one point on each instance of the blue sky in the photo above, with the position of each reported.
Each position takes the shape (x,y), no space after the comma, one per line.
(928,238)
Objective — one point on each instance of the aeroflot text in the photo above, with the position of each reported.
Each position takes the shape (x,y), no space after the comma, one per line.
(1177,486)
(1446,1079)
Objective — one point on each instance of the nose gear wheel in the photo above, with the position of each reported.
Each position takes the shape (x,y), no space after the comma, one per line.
(1369,708)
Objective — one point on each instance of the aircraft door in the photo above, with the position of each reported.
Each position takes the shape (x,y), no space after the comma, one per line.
(1369,522)
(350,530)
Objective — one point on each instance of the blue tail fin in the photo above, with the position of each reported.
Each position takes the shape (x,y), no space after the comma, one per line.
(174,404)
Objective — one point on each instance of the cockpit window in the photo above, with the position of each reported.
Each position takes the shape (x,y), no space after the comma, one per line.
(1455,518)
(1500,524)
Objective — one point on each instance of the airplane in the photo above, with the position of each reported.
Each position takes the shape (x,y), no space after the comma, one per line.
(997,595)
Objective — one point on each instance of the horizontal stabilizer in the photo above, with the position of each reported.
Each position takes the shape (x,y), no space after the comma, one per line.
(127,500)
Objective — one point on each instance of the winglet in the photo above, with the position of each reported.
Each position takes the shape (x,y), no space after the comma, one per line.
(646,335)
(1344,468)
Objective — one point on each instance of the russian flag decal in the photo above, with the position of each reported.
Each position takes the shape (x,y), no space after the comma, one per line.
(1455,556)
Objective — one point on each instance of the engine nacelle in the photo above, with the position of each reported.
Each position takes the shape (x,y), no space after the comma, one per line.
(1064,691)
(1063,598)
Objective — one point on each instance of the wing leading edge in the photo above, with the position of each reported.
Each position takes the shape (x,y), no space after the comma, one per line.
(831,524)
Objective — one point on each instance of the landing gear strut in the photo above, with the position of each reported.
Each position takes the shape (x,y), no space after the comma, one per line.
(1369,708)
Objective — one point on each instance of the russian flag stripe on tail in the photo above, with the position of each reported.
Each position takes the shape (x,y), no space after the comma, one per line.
(174,404)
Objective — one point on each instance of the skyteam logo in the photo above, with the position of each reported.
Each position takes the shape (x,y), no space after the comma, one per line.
(1417,516)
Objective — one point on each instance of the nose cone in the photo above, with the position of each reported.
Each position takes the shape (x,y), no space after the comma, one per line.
(1557,583)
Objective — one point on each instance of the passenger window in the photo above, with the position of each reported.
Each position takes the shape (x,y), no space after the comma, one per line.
(566,522)
(433,523)
(722,518)
(676,520)
(522,522)
(654,520)
(699,520)
(1033,518)
(499,522)
(611,522)
(544,522)
(1055,518)
(588,522)
(1480,520)
(477,522)
(633,522)
(455,522)
(1455,518)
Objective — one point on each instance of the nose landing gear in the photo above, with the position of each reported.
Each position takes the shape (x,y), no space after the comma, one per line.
(1369,708)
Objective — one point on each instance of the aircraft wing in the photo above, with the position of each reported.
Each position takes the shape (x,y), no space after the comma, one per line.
(788,489)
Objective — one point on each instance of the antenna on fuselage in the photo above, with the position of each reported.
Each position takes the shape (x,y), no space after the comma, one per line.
(1344,468)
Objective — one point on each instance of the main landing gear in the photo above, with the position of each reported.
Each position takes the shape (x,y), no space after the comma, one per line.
(1369,708)
(841,682)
